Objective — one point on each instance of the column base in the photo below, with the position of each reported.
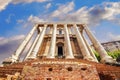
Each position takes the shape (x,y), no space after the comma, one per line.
(31,57)
(14,58)
(69,57)
(28,59)
(7,61)
(89,58)
(108,59)
(51,57)
(10,60)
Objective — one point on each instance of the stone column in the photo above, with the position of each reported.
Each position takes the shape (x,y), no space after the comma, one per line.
(39,42)
(105,58)
(69,30)
(50,32)
(89,48)
(82,45)
(73,48)
(68,44)
(16,55)
(51,53)
(47,48)
(29,54)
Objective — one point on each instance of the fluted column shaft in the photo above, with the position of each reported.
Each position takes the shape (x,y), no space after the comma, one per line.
(90,50)
(69,30)
(29,54)
(19,50)
(46,48)
(68,44)
(82,45)
(39,42)
(50,32)
(51,53)
(103,54)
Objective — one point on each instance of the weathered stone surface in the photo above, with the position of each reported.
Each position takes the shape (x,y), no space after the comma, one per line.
(59,70)
(17,76)
(105,72)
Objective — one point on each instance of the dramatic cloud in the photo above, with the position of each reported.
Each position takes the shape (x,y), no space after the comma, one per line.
(108,11)
(4,3)
(7,40)
(80,15)
(63,9)
(9,45)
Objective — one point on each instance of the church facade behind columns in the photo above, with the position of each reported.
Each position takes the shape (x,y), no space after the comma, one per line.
(61,40)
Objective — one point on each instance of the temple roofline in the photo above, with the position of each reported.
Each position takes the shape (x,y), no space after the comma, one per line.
(61,23)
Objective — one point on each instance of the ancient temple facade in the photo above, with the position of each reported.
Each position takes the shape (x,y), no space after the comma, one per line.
(59,51)
(61,40)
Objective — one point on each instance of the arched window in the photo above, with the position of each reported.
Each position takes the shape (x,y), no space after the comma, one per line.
(60,31)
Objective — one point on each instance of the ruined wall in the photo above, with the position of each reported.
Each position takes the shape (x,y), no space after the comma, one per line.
(59,70)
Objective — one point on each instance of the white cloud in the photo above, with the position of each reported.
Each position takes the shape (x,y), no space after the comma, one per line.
(11,39)
(20,21)
(113,36)
(48,5)
(34,19)
(31,20)
(63,9)
(9,45)
(108,11)
(28,1)
(80,15)
(112,12)
(3,4)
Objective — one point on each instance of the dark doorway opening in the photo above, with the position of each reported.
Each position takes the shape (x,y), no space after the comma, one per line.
(60,51)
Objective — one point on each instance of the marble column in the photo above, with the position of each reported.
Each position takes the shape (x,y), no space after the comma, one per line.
(105,58)
(47,48)
(16,55)
(82,45)
(89,48)
(51,53)
(69,30)
(68,44)
(50,32)
(39,43)
(32,46)
(73,47)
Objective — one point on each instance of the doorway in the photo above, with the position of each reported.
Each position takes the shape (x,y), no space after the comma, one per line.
(60,51)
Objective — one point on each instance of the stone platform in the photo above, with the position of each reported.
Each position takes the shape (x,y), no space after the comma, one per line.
(59,70)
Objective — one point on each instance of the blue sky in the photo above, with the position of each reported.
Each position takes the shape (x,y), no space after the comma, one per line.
(18,16)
